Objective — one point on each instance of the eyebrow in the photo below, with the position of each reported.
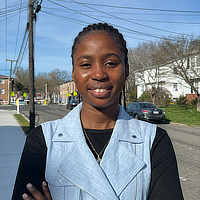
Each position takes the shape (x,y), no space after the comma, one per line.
(105,56)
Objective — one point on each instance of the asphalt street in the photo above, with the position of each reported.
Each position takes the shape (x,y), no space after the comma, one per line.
(186,142)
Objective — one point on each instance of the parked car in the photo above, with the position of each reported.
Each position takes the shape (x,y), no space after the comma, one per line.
(72,103)
(146,111)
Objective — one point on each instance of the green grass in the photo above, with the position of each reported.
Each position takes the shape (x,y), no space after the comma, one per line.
(23,123)
(182,114)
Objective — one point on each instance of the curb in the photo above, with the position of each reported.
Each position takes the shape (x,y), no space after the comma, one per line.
(25,117)
(174,123)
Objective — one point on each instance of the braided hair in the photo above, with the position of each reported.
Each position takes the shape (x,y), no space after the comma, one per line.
(106,29)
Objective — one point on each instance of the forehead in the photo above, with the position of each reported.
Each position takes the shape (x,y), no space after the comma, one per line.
(98,41)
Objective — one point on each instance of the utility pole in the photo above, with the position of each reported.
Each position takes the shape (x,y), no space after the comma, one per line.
(31,68)
(11,61)
(33,9)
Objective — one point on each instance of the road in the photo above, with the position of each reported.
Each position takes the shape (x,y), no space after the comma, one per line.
(186,142)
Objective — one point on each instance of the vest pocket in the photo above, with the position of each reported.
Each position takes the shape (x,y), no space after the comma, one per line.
(61,188)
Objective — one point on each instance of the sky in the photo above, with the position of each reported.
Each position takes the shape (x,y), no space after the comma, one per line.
(59,22)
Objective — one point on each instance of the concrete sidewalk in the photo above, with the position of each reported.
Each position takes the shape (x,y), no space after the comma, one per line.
(12,140)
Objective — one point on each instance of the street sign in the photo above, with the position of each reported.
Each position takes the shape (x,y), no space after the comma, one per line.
(75,93)
(24,94)
(12,94)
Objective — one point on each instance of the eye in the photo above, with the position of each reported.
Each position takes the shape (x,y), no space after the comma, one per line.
(111,64)
(86,65)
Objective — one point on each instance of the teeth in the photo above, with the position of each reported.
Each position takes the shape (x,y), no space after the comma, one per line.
(100,90)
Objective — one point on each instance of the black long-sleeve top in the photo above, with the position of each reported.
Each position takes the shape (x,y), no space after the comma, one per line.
(164,185)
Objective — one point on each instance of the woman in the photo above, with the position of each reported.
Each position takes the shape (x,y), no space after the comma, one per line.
(98,151)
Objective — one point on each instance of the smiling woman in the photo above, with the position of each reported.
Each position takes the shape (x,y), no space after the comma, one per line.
(99,71)
(98,151)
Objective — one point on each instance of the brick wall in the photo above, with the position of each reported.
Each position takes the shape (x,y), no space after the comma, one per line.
(190,97)
(5,87)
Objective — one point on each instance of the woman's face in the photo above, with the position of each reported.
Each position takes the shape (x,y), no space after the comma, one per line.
(99,70)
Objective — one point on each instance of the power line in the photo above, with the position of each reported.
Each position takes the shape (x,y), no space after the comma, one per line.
(127,20)
(66,18)
(18,29)
(135,32)
(131,13)
(11,10)
(132,8)
(12,14)
(154,21)
(22,49)
(83,23)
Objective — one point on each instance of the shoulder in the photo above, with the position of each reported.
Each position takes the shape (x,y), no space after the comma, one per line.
(144,131)
(66,126)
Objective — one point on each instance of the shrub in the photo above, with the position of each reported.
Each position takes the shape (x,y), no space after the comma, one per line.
(162,97)
(181,100)
(145,97)
(194,102)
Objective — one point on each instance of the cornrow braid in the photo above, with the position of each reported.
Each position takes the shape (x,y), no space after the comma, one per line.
(106,29)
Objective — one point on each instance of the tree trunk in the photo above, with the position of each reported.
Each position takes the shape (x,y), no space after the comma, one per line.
(198,103)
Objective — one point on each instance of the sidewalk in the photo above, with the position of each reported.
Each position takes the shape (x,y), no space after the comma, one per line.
(12,140)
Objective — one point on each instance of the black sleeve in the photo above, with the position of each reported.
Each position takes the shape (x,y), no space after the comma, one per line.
(32,164)
(165,183)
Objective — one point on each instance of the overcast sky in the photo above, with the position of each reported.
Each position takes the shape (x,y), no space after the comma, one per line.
(59,22)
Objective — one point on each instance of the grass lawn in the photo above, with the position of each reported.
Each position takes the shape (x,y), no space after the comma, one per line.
(23,123)
(182,114)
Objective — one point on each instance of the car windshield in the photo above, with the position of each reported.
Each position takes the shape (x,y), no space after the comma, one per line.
(148,105)
(75,101)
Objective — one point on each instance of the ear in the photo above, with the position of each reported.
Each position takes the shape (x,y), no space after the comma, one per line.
(126,71)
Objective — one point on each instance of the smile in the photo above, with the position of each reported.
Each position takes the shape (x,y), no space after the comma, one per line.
(99,90)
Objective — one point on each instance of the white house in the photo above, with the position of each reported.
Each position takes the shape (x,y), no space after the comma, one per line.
(168,76)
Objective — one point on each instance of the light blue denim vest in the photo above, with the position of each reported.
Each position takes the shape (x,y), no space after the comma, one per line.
(73,173)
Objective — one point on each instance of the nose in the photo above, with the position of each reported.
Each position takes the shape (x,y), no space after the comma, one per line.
(99,72)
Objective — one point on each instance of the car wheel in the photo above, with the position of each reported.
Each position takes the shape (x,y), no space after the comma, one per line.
(136,116)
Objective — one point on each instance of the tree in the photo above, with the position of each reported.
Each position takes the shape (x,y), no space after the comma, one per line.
(182,55)
(21,80)
(40,80)
(52,79)
(142,65)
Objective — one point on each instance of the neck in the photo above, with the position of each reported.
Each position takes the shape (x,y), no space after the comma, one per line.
(95,118)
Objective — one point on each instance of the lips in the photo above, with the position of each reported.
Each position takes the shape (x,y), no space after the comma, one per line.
(100,91)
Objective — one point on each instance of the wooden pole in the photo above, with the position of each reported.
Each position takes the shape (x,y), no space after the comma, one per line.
(31,68)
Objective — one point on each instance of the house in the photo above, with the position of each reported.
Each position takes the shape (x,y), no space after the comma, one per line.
(5,87)
(66,91)
(175,77)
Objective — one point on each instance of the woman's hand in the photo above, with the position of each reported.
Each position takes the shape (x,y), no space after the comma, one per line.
(36,194)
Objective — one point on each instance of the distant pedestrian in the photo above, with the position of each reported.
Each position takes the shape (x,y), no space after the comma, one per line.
(98,151)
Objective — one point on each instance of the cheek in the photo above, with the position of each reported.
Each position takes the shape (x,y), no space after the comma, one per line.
(120,76)
(80,75)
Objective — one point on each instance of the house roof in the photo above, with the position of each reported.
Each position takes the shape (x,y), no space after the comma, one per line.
(2,76)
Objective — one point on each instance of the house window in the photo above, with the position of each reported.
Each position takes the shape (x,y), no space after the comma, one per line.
(175,87)
(1,81)
(1,91)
